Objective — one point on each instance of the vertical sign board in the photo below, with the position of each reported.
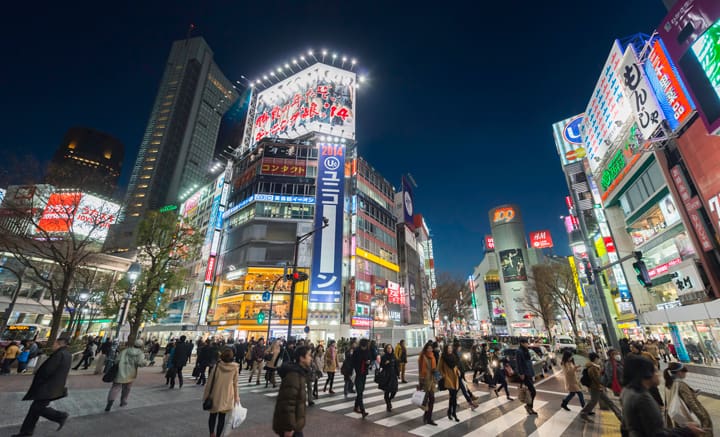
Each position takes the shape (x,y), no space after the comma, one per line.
(326,277)
(576,280)
(568,136)
(636,88)
(408,203)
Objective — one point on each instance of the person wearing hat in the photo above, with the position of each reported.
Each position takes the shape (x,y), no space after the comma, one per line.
(526,373)
(128,362)
(675,385)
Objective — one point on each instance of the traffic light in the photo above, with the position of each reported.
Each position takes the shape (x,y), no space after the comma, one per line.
(641,270)
(589,272)
(296,277)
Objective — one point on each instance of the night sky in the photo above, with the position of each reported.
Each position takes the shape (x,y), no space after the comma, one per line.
(460,96)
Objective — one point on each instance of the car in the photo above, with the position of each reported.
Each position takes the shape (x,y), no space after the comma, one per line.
(545,355)
(537,362)
(563,343)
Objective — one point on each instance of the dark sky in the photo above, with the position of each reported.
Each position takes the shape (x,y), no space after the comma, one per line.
(459,95)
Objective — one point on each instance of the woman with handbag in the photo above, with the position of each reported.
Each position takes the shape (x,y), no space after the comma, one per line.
(221,392)
(501,377)
(389,375)
(271,360)
(330,366)
(428,368)
(450,379)
(677,390)
(571,383)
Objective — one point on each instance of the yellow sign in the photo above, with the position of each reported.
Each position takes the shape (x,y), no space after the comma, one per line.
(600,247)
(376,259)
(576,280)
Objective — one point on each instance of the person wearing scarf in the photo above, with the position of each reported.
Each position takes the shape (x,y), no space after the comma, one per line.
(451,377)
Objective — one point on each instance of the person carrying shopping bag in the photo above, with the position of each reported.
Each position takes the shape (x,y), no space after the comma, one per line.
(221,392)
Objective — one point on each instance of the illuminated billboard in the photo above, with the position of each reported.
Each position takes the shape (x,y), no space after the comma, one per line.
(607,112)
(86,215)
(568,136)
(636,88)
(541,240)
(669,89)
(691,33)
(320,98)
(513,265)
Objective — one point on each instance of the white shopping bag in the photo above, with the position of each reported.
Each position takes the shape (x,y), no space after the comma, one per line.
(418,399)
(239,413)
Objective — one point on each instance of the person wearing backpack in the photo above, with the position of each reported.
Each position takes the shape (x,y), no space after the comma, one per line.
(591,378)
(571,383)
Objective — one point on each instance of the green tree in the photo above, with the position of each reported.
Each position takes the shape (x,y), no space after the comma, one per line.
(163,245)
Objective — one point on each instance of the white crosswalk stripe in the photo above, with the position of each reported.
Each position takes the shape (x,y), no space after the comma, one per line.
(467,414)
(503,422)
(557,424)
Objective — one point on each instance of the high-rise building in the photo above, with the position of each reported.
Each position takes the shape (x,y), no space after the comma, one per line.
(87,159)
(177,149)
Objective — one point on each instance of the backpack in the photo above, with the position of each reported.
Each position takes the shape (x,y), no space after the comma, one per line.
(585,378)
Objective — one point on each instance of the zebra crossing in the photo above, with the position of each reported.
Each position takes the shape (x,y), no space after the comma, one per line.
(493,416)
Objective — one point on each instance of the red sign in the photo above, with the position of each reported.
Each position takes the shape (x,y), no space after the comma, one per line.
(283,167)
(663,268)
(59,212)
(701,153)
(210,270)
(609,244)
(541,240)
(364,297)
(503,215)
(359,322)
(393,291)
(569,203)
(674,92)
(489,242)
(700,230)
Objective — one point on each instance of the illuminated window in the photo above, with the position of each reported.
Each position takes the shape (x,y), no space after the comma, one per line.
(167,103)
(150,159)
(158,134)
(163,118)
(160,126)
(139,205)
(149,167)
(147,176)
(140,195)
(72,145)
(135,214)
(143,186)
(165,111)
(152,150)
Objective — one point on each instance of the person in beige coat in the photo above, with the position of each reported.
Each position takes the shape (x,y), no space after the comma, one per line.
(331,365)
(222,388)
(572,386)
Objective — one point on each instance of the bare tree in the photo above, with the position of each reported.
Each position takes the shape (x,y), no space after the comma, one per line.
(556,281)
(540,301)
(53,236)
(163,246)
(450,298)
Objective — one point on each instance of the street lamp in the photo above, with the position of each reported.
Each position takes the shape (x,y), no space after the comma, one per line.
(132,275)
(298,240)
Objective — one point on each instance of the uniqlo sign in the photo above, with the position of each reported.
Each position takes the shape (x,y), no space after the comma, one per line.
(541,240)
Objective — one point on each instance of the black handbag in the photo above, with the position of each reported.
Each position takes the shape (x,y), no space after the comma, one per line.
(207,403)
(112,372)
(441,384)
(196,371)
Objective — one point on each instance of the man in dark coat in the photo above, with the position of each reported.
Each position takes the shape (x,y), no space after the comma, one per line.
(180,359)
(289,414)
(48,385)
(526,373)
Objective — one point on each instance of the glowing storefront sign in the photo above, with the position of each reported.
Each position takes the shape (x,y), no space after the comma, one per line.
(664,78)
(568,136)
(576,280)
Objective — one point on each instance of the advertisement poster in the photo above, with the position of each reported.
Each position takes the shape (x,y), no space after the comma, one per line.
(408,203)
(498,307)
(513,265)
(669,211)
(87,215)
(326,277)
(320,98)
(541,240)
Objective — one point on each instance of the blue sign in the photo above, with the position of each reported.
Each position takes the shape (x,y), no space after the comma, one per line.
(326,278)
(266,296)
(573,130)
(174,314)
(624,293)
(408,202)
(305,200)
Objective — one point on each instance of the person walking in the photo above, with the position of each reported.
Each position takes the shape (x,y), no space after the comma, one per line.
(180,360)
(258,354)
(427,367)
(641,415)
(11,352)
(482,364)
(450,374)
(48,385)
(154,350)
(597,390)
(23,357)
(87,356)
(128,362)
(271,363)
(402,357)
(318,365)
(222,391)
(390,366)
(330,366)
(289,413)
(501,377)
(104,352)
(526,373)
(637,349)
(675,386)
(613,372)
(361,358)
(347,369)
(204,362)
(572,386)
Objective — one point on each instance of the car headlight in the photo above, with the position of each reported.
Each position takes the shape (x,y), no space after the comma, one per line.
(494,363)
(466,356)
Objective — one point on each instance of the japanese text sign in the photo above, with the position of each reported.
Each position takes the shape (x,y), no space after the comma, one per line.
(669,90)
(489,243)
(636,88)
(282,167)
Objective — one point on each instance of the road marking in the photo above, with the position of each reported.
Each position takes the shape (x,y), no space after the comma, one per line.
(503,422)
(466,414)
(557,424)
(351,404)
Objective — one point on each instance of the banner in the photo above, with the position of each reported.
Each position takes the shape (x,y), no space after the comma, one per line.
(408,203)
(636,88)
(576,280)
(513,265)
(326,277)
(541,240)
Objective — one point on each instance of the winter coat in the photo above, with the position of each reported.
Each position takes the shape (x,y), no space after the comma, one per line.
(12,351)
(223,380)
(128,362)
(595,374)
(49,380)
(641,416)
(319,361)
(361,360)
(182,353)
(449,372)
(607,377)
(571,381)
(427,365)
(390,372)
(524,363)
(289,414)
(689,398)
(204,356)
(331,360)
(401,354)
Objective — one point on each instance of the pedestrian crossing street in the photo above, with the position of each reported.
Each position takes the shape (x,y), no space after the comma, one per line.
(494,415)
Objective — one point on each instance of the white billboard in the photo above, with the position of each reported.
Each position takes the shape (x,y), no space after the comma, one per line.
(320,98)
(608,111)
(645,107)
(84,214)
